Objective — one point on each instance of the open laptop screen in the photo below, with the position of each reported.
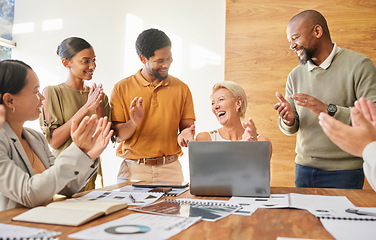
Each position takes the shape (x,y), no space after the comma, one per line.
(225,168)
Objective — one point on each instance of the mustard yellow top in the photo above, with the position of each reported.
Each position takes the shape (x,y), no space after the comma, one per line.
(63,102)
(165,106)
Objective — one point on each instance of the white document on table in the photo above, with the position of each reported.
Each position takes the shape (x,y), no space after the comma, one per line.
(318,205)
(138,226)
(8,231)
(131,198)
(173,192)
(250,205)
(343,229)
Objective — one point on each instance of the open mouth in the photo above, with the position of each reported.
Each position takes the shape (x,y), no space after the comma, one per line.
(299,52)
(221,114)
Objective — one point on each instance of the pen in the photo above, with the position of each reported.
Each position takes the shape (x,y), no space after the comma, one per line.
(360,212)
(132,198)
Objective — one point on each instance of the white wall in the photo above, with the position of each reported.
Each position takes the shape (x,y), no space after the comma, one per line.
(196,29)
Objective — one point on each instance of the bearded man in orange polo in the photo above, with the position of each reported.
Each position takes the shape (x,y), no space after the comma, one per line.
(153,115)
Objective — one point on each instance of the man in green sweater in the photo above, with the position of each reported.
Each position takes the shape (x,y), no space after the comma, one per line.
(329,79)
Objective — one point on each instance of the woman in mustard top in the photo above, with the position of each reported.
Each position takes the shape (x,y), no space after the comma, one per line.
(73,99)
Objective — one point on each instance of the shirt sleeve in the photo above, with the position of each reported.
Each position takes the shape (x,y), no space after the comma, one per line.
(188,111)
(54,111)
(106,107)
(70,171)
(118,109)
(364,86)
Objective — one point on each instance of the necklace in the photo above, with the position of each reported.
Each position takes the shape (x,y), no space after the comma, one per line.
(26,145)
(85,89)
(32,159)
(32,155)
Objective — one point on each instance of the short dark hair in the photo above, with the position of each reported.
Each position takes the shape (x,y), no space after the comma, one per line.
(151,40)
(71,46)
(12,76)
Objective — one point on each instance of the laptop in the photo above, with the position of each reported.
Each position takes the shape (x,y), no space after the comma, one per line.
(225,168)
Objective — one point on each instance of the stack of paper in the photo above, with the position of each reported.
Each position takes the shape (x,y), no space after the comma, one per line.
(208,210)
(131,198)
(8,231)
(352,229)
(173,192)
(137,226)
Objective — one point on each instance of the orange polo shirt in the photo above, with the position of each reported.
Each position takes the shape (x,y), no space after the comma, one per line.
(165,106)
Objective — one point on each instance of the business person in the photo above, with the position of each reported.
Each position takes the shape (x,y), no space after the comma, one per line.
(358,139)
(152,114)
(329,79)
(29,174)
(73,100)
(229,105)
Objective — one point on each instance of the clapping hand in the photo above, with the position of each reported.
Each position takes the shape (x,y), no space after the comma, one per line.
(309,102)
(91,135)
(250,131)
(368,109)
(352,139)
(186,136)
(95,98)
(284,110)
(136,111)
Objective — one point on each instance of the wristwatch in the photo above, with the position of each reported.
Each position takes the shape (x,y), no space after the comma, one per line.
(332,109)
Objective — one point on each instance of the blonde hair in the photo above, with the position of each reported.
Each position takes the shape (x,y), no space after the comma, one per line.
(236,90)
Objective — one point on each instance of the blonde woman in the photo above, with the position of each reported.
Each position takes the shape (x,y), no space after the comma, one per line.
(229,105)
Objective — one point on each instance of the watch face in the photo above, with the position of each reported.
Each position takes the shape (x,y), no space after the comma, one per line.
(332,109)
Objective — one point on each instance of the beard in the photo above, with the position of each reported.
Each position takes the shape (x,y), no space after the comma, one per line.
(307,55)
(157,75)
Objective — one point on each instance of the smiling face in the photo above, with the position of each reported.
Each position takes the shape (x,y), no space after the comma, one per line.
(28,102)
(225,106)
(82,65)
(157,66)
(300,35)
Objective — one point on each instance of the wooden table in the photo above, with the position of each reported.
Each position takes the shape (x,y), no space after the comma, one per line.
(263,224)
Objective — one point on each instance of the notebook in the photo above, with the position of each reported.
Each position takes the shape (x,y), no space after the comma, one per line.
(229,168)
(70,212)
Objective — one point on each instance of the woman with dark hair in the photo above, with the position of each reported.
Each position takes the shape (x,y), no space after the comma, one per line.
(73,100)
(29,174)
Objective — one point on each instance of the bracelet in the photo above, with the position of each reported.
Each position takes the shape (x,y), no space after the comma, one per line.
(257,137)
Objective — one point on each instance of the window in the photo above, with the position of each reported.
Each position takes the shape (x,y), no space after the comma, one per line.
(6,25)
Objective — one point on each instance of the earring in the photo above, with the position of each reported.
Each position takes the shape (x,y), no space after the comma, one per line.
(13,109)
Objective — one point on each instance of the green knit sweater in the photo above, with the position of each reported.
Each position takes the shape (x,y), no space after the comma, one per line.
(349,77)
